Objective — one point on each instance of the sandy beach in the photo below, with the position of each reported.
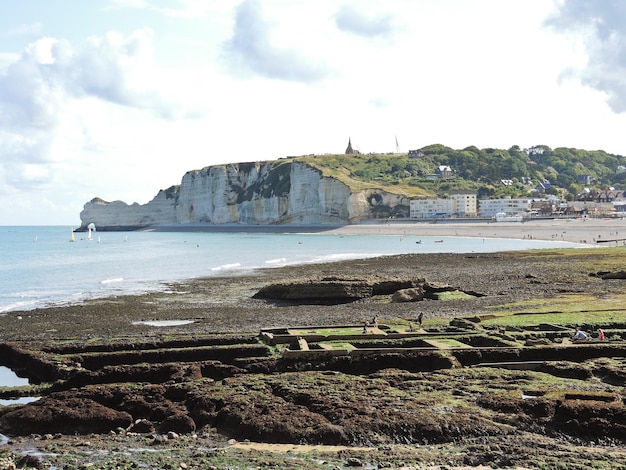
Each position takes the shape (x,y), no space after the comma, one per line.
(581,230)
(588,231)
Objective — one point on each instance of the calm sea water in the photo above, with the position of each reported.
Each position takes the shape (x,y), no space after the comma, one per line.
(40,267)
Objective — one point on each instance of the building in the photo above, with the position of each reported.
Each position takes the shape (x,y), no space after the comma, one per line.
(415,154)
(350,150)
(444,172)
(507,206)
(466,204)
(580,208)
(457,205)
(431,208)
(607,195)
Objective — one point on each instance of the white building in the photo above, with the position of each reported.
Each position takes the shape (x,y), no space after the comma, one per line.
(431,208)
(466,204)
(507,206)
(463,205)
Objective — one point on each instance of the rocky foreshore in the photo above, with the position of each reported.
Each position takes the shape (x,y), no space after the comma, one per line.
(173,396)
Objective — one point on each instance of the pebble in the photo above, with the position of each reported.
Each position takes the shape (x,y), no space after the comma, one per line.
(7,463)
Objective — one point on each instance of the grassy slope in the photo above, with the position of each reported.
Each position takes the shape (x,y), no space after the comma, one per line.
(342,167)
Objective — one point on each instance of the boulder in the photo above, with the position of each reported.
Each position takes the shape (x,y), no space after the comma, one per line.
(408,295)
(614,275)
(178,422)
(142,426)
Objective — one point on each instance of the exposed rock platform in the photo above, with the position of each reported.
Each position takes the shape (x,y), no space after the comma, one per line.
(119,383)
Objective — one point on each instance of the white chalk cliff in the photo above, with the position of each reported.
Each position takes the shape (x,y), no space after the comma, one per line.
(276,192)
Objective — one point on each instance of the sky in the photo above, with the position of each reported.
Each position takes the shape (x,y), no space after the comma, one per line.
(117,99)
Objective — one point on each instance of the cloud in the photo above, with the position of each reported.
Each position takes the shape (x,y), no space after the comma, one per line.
(602,27)
(351,20)
(118,4)
(111,68)
(175,9)
(251,50)
(28,95)
(41,90)
(32,29)
(117,69)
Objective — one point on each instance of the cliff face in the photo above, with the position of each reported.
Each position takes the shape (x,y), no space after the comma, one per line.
(277,192)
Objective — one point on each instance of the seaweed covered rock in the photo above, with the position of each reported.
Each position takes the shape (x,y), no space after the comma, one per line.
(68,416)
(324,290)
(335,290)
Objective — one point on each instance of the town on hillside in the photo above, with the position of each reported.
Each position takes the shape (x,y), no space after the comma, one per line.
(544,199)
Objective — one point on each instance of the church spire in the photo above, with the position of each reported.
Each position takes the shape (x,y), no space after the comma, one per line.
(349,149)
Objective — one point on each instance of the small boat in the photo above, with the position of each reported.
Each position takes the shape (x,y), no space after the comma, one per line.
(72,238)
(438,241)
(418,241)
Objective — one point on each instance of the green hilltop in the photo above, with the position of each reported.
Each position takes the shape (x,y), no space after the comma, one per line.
(490,172)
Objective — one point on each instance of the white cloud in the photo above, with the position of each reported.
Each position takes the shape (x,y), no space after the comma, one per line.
(252,50)
(176,8)
(119,69)
(31,29)
(352,20)
(601,26)
(118,4)
(58,112)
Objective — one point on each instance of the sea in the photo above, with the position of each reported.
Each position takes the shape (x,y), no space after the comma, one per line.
(40,267)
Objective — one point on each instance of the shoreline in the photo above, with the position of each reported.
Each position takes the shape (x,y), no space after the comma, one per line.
(591,233)
(581,230)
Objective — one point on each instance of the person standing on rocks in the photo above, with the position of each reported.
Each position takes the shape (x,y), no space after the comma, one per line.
(420,317)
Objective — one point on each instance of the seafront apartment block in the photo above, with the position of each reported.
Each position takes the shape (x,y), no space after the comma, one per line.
(460,205)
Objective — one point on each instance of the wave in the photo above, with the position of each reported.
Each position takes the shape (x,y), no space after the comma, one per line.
(20,305)
(276,261)
(226,266)
(343,257)
(113,280)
